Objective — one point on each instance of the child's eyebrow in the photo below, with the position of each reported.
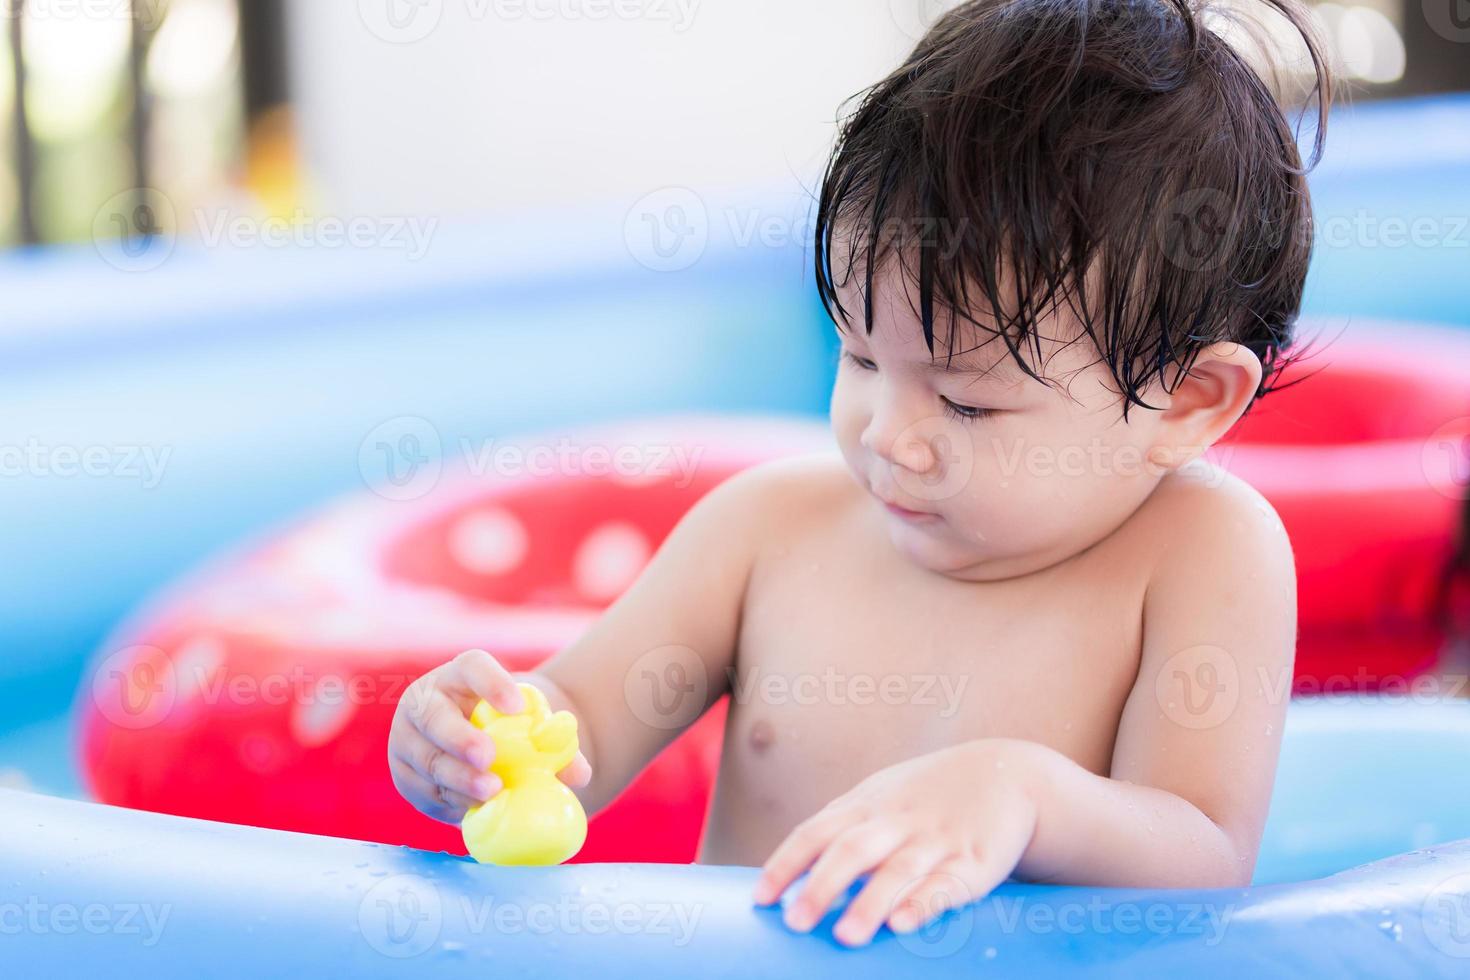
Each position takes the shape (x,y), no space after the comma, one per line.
(1003,370)
(1000,371)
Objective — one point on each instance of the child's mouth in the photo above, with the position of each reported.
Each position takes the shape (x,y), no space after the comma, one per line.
(917,516)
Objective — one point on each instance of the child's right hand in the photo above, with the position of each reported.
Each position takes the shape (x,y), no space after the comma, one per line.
(437,758)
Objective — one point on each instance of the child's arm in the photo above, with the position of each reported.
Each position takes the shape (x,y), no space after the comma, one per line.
(645,670)
(1192,770)
(664,651)
(1195,757)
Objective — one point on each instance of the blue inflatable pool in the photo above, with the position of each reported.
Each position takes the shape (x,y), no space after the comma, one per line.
(256,378)
(121,893)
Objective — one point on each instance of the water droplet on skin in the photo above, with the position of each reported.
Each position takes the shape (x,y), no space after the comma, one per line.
(1067,727)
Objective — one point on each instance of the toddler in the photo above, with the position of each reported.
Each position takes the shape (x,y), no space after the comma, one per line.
(1063,246)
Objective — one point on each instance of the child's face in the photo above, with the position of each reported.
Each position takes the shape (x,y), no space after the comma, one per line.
(1046,473)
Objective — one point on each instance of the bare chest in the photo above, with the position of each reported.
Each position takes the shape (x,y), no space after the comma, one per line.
(848,664)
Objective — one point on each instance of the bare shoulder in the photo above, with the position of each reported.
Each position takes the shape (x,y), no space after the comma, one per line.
(782,494)
(759,510)
(1205,520)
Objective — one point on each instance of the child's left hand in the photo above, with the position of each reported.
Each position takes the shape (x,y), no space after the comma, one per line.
(935,832)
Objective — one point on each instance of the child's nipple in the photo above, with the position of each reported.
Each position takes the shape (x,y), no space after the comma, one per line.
(762,736)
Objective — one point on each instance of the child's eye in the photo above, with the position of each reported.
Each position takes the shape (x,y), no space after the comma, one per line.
(965,413)
(861,363)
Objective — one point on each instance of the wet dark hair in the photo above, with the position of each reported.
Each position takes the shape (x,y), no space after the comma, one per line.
(1043,139)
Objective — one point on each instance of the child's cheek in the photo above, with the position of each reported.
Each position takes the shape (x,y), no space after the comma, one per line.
(846,417)
(1008,499)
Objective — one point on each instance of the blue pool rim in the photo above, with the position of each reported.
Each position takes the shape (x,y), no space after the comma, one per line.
(91,887)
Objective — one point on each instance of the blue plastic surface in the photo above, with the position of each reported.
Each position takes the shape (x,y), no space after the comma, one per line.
(95,890)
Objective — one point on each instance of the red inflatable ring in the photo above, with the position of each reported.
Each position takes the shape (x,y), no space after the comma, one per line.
(1367,461)
(261,692)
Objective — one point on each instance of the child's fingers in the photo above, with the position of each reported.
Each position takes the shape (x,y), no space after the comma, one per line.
(577,773)
(442,722)
(443,769)
(483,676)
(797,852)
(442,804)
(852,853)
(951,885)
(879,897)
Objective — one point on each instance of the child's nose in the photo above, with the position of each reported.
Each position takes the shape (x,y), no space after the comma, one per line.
(900,440)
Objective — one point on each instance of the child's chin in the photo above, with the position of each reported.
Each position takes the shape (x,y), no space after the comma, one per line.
(931,545)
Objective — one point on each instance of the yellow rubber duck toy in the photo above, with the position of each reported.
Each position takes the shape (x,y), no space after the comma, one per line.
(535,819)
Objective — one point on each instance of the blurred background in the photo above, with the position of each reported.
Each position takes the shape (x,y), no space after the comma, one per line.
(464,107)
(249,242)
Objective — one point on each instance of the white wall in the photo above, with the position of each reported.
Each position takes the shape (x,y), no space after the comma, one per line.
(492,105)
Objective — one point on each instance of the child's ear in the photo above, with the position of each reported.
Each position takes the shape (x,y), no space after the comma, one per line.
(1219,387)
